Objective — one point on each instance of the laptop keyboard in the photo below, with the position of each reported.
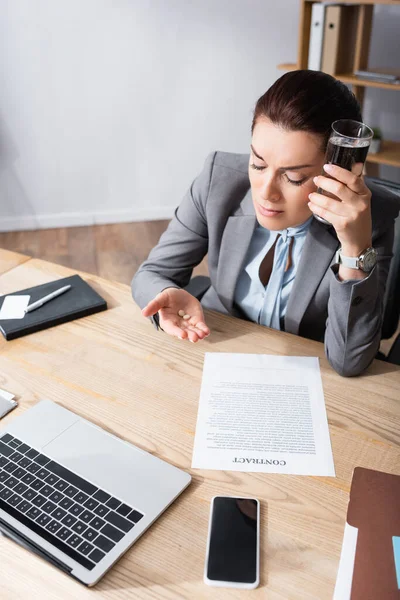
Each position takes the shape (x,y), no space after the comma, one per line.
(71,513)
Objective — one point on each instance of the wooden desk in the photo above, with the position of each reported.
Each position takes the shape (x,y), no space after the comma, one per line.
(116,370)
(9,260)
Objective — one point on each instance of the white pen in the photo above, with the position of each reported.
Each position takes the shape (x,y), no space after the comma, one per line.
(42,301)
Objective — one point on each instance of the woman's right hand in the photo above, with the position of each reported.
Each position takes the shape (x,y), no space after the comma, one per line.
(168,304)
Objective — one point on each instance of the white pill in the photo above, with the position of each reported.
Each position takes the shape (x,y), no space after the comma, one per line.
(186,317)
(181,313)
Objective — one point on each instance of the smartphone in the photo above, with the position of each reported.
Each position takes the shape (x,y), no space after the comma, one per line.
(233,545)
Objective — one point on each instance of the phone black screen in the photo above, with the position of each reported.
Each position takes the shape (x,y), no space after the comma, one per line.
(233,540)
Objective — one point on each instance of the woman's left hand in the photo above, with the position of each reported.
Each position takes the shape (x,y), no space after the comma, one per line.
(350,213)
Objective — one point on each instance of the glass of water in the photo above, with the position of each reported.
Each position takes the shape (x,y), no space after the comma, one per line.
(347,147)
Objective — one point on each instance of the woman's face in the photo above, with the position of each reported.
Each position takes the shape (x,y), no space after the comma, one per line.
(281,170)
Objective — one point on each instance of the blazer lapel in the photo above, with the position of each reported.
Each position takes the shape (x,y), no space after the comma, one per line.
(319,248)
(235,242)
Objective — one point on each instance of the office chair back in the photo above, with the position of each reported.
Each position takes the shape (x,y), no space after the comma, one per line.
(392,293)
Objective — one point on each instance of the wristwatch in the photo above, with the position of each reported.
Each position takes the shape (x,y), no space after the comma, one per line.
(363,262)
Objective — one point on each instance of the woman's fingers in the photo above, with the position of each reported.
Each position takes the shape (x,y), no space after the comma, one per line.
(193,336)
(159,302)
(194,329)
(173,329)
(183,333)
(200,334)
(338,189)
(322,202)
(322,210)
(203,327)
(326,203)
(200,326)
(345,202)
(354,182)
(184,329)
(150,309)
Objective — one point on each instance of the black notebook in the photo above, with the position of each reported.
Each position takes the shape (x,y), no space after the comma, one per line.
(81,300)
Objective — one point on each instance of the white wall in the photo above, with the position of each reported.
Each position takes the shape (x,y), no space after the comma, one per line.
(108,108)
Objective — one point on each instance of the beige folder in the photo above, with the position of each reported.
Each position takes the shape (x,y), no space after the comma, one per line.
(339,39)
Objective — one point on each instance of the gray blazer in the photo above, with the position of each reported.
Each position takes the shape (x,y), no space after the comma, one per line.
(217,217)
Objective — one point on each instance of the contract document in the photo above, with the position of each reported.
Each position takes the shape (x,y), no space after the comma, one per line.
(262,413)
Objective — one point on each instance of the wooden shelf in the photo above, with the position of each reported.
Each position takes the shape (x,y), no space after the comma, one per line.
(287,67)
(390,2)
(351,78)
(361,28)
(348,78)
(389,154)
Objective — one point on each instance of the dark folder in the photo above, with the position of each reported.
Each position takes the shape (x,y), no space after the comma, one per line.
(81,300)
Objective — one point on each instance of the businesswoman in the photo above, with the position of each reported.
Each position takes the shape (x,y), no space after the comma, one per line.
(270,261)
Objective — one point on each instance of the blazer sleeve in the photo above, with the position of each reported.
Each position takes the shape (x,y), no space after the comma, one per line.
(355,312)
(181,247)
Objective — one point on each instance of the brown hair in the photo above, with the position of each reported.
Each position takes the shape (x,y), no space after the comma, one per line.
(308,101)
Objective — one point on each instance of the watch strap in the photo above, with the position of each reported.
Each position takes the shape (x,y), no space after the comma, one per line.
(351,262)
(155,319)
(364,262)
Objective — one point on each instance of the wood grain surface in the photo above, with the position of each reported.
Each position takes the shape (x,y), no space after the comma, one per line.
(9,260)
(116,370)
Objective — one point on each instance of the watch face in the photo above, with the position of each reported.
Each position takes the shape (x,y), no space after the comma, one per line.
(369,260)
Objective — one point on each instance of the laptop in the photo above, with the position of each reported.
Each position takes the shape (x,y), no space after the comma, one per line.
(75,494)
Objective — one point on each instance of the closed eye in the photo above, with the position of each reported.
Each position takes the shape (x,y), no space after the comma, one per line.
(256,167)
(296,182)
(292,181)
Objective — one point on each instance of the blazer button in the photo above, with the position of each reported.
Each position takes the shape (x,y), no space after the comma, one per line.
(357,300)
